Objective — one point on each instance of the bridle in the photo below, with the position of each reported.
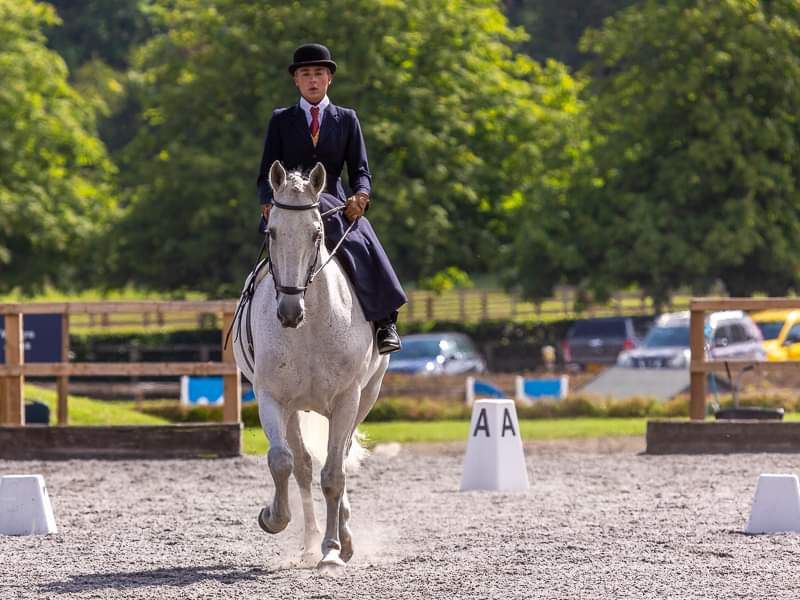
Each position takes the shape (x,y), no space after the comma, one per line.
(247,294)
(312,273)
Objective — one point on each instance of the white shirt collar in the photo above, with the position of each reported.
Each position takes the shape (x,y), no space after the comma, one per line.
(306,106)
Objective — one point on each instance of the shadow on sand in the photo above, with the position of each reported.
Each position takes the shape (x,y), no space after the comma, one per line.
(175,577)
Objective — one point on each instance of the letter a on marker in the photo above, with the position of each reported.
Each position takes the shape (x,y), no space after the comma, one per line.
(481,424)
(507,424)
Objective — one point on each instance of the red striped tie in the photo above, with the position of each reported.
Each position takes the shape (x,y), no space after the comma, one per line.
(314,124)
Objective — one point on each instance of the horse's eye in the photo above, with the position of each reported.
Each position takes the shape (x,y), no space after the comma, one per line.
(317,235)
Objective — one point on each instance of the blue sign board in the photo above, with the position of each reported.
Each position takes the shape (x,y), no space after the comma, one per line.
(555,387)
(487,390)
(206,391)
(43,338)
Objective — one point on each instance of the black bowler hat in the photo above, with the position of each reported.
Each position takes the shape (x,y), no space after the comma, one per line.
(311,55)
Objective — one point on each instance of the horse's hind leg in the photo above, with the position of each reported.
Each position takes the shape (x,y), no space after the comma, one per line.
(303,473)
(275,518)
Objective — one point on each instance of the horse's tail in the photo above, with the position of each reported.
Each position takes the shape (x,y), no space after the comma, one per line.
(314,429)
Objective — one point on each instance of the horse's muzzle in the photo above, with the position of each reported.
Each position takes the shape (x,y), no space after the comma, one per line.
(291,310)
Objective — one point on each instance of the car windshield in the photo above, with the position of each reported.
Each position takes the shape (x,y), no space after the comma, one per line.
(661,337)
(770,329)
(599,329)
(418,349)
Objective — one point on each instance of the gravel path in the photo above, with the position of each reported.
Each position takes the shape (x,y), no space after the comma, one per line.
(601,520)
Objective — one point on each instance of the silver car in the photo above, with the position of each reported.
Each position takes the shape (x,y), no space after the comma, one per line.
(437,353)
(730,334)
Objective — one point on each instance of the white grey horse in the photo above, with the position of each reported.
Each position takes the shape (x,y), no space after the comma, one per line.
(305,345)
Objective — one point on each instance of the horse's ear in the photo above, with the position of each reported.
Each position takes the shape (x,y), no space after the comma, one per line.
(317,178)
(277,176)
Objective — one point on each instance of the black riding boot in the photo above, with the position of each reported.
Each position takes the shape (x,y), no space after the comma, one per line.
(386,334)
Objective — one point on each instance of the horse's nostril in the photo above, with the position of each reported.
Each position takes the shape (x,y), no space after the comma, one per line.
(291,321)
(290,311)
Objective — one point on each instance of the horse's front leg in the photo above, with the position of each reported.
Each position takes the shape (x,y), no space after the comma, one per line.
(275,518)
(303,473)
(345,535)
(342,424)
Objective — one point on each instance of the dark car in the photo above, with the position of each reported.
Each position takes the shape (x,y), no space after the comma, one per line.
(600,340)
(437,353)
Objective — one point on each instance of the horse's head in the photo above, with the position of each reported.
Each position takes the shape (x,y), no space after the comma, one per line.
(295,237)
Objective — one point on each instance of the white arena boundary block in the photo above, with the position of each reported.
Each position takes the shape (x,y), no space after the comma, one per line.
(494,459)
(776,505)
(25,506)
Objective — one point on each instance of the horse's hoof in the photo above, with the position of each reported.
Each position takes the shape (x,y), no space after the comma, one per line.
(331,562)
(263,522)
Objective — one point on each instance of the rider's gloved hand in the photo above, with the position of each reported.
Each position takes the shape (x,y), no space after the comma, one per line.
(356,206)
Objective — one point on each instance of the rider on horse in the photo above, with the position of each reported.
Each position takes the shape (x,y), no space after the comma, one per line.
(316,130)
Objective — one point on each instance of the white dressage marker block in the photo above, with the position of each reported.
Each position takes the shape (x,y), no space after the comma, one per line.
(25,506)
(494,458)
(776,506)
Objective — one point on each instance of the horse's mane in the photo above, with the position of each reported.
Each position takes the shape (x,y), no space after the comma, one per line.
(298,187)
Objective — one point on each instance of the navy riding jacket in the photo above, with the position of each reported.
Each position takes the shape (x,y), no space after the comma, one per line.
(340,142)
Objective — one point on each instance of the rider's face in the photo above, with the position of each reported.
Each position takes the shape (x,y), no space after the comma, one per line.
(313,82)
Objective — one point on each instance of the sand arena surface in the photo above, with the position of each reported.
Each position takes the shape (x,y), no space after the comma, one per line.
(600,521)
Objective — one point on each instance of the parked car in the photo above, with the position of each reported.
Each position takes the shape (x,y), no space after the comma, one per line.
(781,332)
(600,340)
(437,353)
(731,334)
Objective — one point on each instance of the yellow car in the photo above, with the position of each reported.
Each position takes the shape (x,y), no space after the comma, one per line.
(781,332)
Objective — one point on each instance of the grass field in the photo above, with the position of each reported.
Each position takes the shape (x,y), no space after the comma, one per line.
(86,411)
(456,431)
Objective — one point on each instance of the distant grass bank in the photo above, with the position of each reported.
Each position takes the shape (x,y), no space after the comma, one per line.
(86,411)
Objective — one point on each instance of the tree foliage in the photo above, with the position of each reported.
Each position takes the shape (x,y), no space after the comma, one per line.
(54,173)
(459,130)
(556,26)
(103,30)
(692,170)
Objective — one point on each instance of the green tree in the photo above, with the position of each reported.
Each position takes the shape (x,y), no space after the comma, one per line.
(55,197)
(95,38)
(692,174)
(458,129)
(103,30)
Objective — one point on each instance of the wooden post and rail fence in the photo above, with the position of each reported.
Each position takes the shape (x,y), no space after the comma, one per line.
(471,305)
(700,367)
(15,369)
(212,439)
(720,436)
